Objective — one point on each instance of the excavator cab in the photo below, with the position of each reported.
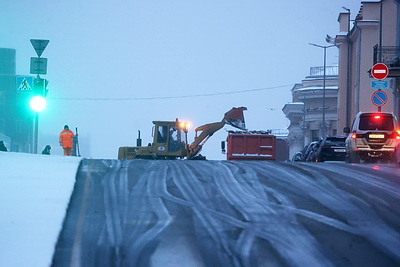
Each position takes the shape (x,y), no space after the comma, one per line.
(169,142)
(170,138)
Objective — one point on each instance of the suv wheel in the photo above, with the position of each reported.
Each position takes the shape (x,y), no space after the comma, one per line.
(352,157)
(392,158)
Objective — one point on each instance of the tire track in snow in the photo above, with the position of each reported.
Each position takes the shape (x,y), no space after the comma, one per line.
(151,217)
(195,192)
(359,213)
(358,216)
(295,245)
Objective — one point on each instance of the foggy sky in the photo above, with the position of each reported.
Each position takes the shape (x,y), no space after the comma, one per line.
(115,66)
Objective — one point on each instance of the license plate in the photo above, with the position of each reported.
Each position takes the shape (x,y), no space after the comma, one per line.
(339,150)
(376,136)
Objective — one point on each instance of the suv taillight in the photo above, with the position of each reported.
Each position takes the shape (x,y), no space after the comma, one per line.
(395,135)
(354,135)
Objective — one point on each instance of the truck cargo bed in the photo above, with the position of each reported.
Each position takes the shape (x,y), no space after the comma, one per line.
(250,146)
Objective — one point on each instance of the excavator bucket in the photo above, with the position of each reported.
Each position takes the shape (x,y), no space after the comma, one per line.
(235,118)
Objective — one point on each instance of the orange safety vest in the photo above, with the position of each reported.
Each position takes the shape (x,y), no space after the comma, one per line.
(66,138)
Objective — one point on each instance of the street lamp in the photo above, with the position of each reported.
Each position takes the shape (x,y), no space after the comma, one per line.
(323,90)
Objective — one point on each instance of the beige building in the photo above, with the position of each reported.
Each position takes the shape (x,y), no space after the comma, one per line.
(358,44)
(373,36)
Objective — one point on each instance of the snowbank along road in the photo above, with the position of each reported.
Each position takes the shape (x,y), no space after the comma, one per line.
(221,213)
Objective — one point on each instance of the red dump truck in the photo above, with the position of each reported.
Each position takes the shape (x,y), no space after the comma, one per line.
(253,145)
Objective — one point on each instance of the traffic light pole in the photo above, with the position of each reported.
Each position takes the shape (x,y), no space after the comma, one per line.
(38,66)
(36,133)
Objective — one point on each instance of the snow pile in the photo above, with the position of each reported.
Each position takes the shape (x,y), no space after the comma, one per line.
(34,195)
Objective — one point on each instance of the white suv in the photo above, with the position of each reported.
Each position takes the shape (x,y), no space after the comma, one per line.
(373,136)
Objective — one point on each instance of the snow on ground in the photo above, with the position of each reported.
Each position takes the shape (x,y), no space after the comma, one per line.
(34,196)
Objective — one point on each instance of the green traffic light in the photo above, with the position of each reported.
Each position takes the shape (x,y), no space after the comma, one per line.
(38,103)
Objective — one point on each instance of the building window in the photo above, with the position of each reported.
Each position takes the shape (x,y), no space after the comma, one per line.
(334,132)
(2,98)
(15,148)
(2,126)
(20,126)
(314,135)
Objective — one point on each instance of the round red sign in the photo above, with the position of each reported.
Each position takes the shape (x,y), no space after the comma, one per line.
(379,71)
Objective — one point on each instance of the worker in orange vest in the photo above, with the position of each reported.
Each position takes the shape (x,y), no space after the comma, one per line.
(66,140)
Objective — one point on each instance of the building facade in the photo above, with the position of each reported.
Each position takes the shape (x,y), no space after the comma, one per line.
(305,112)
(16,118)
(373,37)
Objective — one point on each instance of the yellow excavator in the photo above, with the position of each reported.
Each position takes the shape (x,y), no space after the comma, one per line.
(170,138)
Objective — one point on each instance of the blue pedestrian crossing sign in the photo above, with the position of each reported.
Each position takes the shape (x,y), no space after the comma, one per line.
(24,84)
(379,98)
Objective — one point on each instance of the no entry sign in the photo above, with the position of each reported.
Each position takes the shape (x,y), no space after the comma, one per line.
(379,98)
(379,71)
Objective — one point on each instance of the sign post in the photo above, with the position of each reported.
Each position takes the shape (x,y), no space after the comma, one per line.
(38,66)
(379,98)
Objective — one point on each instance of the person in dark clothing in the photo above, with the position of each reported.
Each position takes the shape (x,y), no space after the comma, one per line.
(2,146)
(46,150)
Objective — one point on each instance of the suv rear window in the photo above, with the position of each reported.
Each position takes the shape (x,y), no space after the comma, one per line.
(335,141)
(376,122)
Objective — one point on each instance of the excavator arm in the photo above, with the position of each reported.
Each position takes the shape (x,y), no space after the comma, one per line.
(233,117)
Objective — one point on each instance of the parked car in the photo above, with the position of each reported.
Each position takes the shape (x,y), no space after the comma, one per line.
(332,148)
(306,151)
(311,151)
(372,136)
(297,156)
(303,152)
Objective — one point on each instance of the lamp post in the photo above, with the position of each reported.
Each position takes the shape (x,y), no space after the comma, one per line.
(323,90)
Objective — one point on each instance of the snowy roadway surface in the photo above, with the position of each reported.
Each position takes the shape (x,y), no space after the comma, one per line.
(196,213)
(220,213)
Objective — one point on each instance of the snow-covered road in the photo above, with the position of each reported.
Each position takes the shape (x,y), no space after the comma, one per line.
(220,213)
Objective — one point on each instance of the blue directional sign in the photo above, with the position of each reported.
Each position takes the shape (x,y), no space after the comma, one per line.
(378,85)
(379,98)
